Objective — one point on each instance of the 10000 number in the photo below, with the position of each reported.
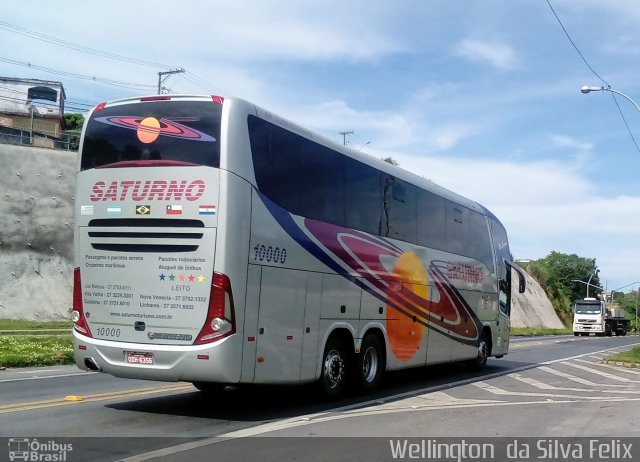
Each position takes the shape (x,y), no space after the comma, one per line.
(270,254)
(108,332)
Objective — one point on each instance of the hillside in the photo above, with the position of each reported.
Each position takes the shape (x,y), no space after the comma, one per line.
(36,239)
(36,232)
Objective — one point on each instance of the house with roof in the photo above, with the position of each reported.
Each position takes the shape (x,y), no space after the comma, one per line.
(31,111)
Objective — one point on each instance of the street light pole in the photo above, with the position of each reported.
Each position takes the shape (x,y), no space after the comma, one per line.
(587,89)
(593,274)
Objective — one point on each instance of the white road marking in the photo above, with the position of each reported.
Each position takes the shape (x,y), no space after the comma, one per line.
(602,374)
(48,377)
(625,370)
(499,391)
(577,379)
(546,386)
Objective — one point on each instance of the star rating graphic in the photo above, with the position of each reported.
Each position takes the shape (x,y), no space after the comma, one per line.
(182,277)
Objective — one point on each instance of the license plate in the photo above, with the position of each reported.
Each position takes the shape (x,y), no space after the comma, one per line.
(139,358)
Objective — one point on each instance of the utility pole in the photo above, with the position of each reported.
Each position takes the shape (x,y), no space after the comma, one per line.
(161,80)
(344,136)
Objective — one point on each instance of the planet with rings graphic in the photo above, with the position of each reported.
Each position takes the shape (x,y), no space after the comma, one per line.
(148,130)
(404,334)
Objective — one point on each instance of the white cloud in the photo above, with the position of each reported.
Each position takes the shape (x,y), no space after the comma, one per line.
(497,54)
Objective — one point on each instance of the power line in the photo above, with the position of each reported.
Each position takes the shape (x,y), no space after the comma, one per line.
(105,54)
(115,83)
(594,73)
(575,46)
(77,47)
(66,101)
(615,100)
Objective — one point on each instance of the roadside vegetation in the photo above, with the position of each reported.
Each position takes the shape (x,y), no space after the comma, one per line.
(46,343)
(35,350)
(21,324)
(538,331)
(631,356)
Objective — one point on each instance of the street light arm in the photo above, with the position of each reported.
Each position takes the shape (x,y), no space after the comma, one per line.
(588,284)
(587,89)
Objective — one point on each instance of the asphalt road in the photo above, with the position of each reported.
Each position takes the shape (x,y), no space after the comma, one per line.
(546,387)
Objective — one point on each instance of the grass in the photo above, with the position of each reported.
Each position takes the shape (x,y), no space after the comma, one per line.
(21,324)
(631,356)
(35,350)
(538,331)
(41,350)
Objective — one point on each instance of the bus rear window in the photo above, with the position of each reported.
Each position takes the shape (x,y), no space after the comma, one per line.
(161,132)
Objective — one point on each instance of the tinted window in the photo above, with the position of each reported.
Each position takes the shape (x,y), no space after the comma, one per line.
(479,244)
(501,245)
(311,180)
(363,196)
(185,131)
(457,228)
(321,183)
(301,176)
(431,221)
(399,209)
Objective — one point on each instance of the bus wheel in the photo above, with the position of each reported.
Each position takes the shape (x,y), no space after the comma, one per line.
(209,387)
(370,364)
(335,368)
(480,361)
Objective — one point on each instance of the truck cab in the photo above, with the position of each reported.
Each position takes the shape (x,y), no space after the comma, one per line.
(593,315)
(588,317)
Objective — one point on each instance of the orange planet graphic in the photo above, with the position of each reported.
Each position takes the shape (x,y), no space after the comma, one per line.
(404,334)
(148,130)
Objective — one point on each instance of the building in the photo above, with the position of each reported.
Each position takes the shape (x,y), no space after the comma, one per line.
(31,111)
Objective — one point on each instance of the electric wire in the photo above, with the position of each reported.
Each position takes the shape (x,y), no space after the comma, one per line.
(74,46)
(105,54)
(594,73)
(115,83)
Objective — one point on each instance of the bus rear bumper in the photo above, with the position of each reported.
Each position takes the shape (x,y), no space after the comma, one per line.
(215,362)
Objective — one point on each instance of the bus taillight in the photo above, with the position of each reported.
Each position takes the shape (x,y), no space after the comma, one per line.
(77,315)
(221,320)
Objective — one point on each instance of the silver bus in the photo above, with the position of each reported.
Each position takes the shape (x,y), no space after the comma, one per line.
(218,243)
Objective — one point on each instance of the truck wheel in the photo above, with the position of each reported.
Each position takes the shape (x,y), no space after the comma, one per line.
(576,333)
(607,330)
(624,330)
(335,369)
(370,364)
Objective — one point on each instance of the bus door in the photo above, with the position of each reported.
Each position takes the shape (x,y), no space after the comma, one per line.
(503,273)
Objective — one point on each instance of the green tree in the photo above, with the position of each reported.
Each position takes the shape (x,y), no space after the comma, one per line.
(74,122)
(556,274)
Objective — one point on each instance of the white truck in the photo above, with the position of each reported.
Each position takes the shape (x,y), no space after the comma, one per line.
(592,315)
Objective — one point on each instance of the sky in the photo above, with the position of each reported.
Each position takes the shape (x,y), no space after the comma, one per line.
(481,97)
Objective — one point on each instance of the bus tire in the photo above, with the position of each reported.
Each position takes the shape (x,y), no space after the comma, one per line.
(335,369)
(209,387)
(480,361)
(369,364)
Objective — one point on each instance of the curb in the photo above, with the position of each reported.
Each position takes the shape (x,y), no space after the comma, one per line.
(621,364)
